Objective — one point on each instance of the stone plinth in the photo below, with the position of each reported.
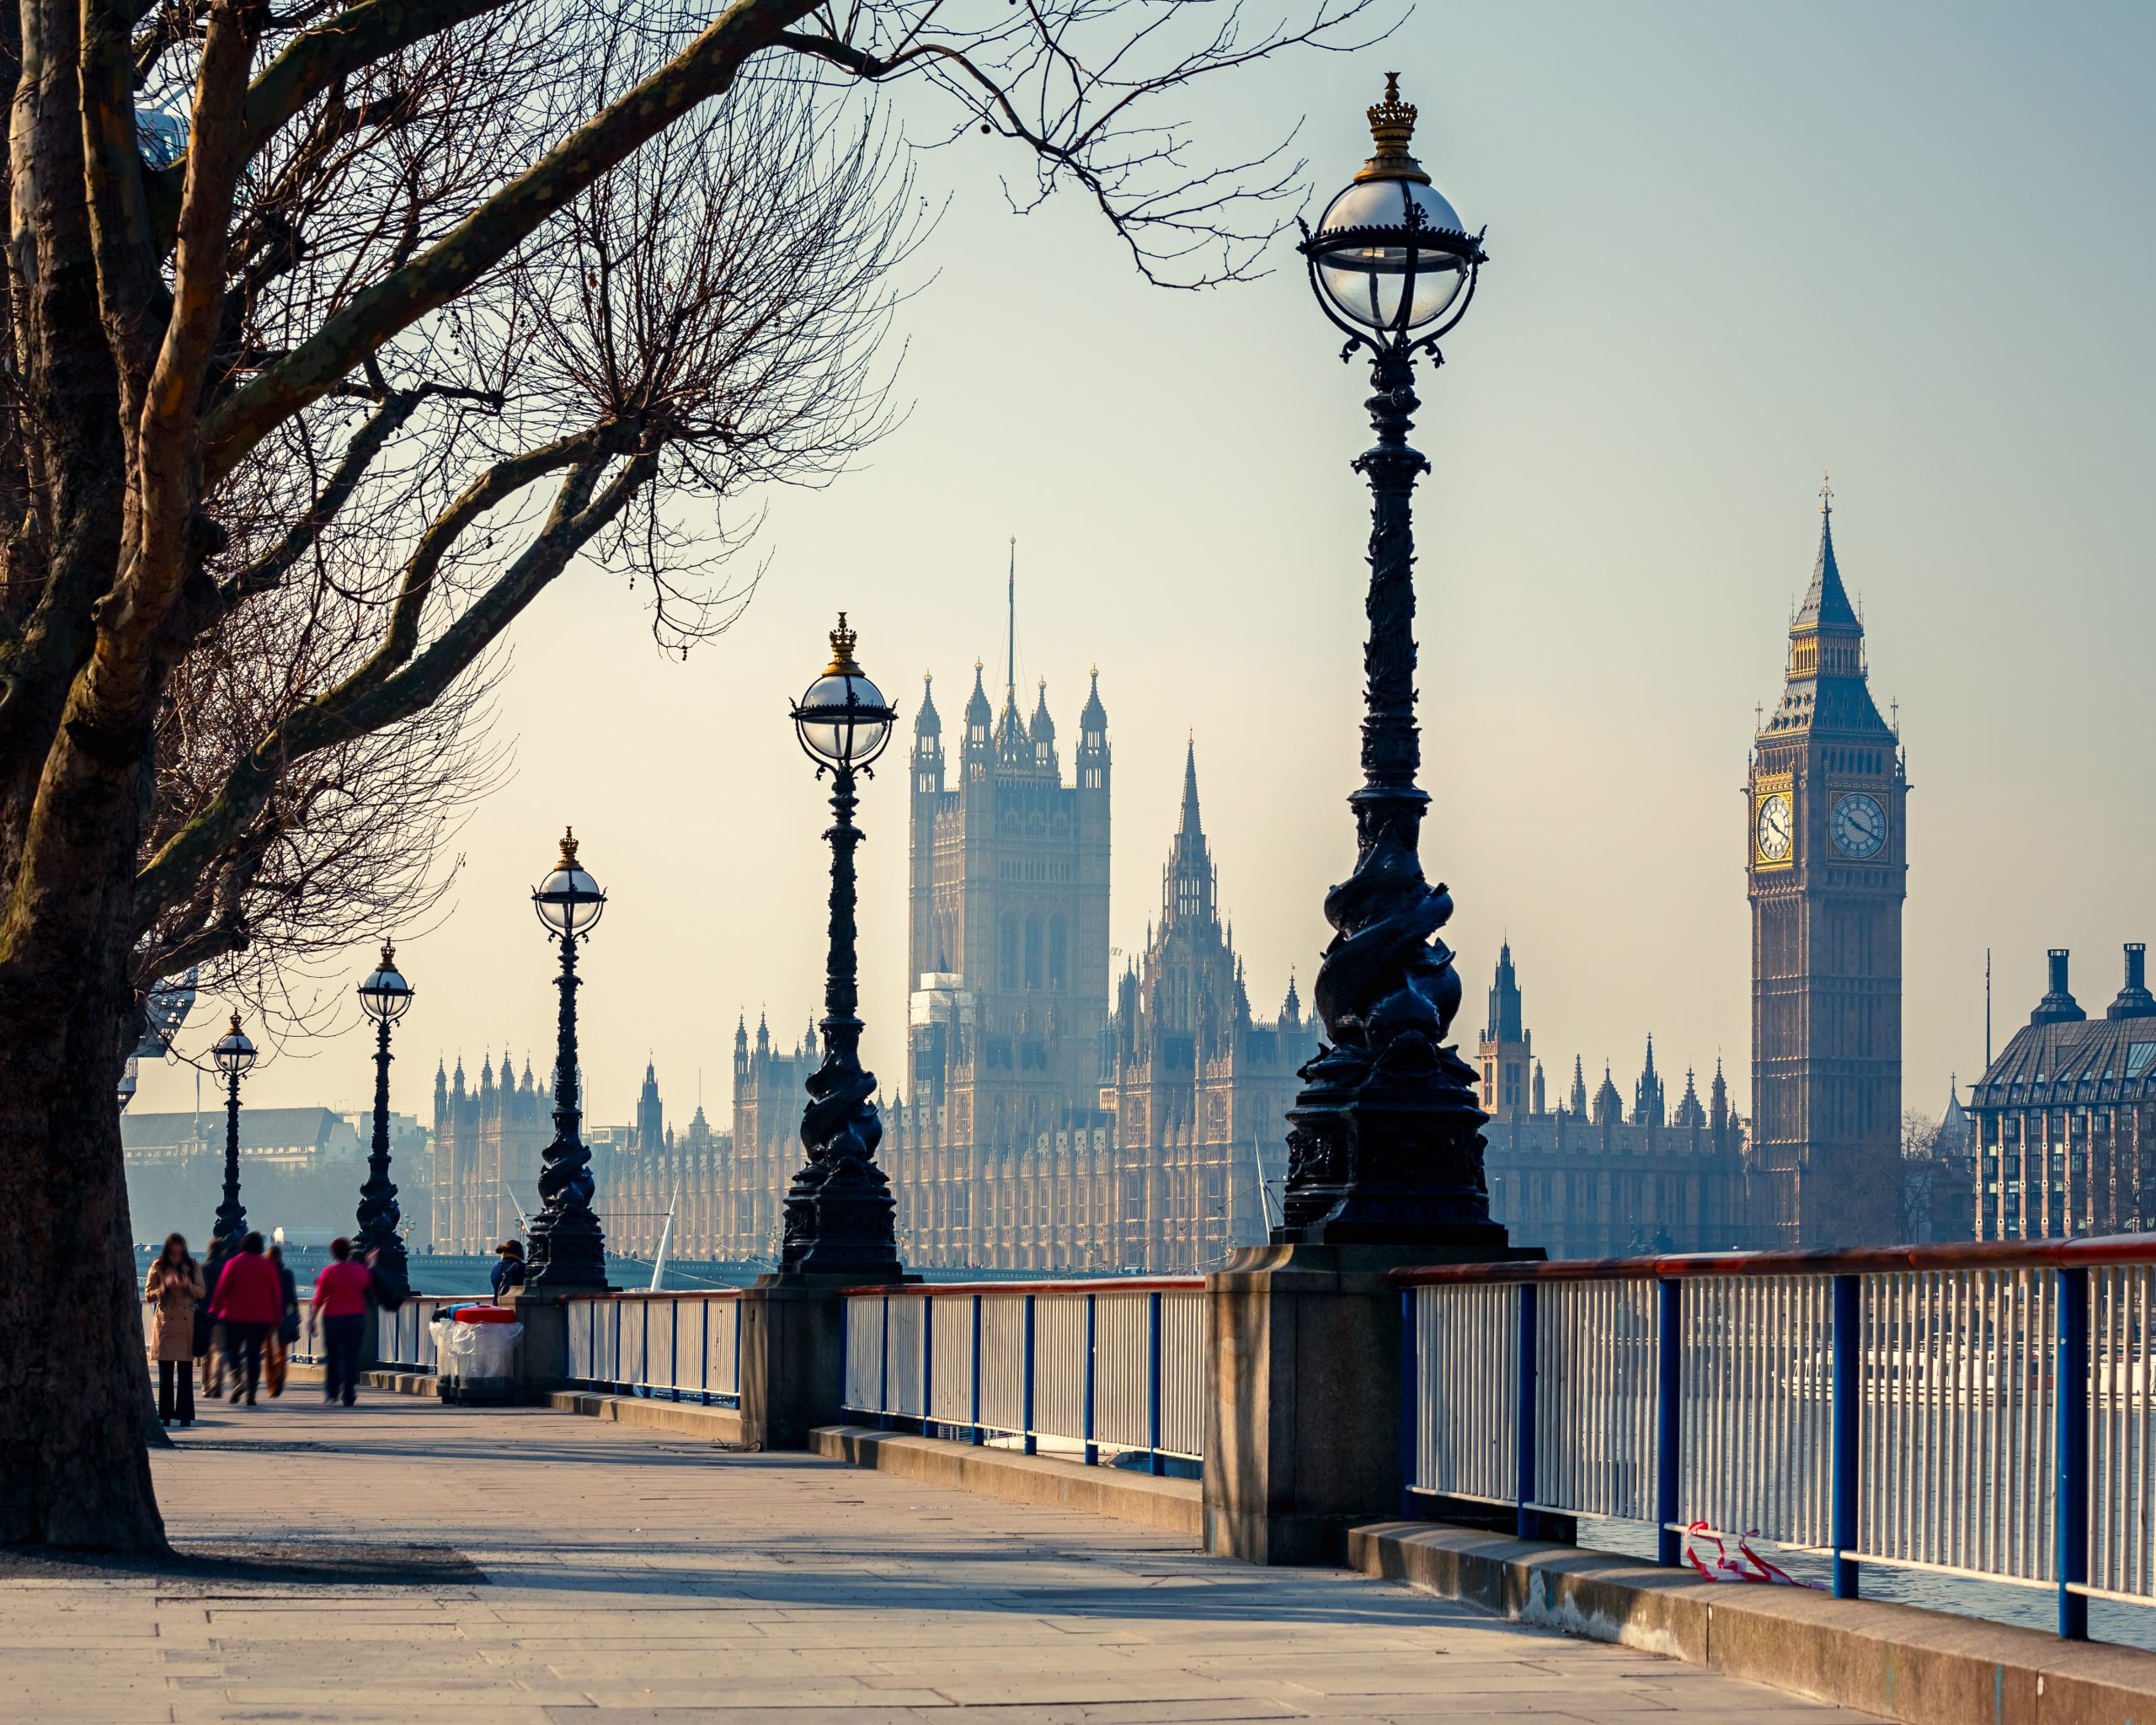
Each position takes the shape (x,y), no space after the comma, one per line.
(542,1354)
(1303,1387)
(792,1355)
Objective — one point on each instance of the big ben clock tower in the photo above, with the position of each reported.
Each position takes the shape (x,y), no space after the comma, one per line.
(1828,871)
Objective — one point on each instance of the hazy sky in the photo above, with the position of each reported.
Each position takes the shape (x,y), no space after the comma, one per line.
(1734,247)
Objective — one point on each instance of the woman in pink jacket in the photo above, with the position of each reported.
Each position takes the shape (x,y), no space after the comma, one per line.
(340,1302)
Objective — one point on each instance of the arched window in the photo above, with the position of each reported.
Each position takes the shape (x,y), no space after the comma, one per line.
(1032,952)
(1059,956)
(1007,942)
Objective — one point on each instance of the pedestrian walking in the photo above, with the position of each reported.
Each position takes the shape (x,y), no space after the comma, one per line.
(509,1269)
(278,1344)
(173,1288)
(340,1309)
(248,1302)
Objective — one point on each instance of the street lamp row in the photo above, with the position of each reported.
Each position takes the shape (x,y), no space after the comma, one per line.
(1384,1143)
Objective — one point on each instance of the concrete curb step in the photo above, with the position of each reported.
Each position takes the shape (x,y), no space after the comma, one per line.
(1924,1668)
(1170,1505)
(403,1383)
(721,1425)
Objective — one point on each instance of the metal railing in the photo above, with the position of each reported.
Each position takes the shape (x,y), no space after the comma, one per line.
(1984,1410)
(684,1346)
(1077,1368)
(402,1337)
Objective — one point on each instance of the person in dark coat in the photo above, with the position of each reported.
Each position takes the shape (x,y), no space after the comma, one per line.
(285,1331)
(248,1302)
(509,1269)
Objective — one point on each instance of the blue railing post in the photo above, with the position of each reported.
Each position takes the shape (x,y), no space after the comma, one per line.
(737,1354)
(1158,1463)
(703,1371)
(1524,1522)
(1669,1421)
(673,1352)
(614,1375)
(1033,1443)
(980,1433)
(1848,1404)
(928,1364)
(883,1372)
(1092,1448)
(1411,1405)
(2070,1386)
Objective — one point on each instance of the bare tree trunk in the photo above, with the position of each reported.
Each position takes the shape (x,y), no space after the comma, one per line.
(74,1465)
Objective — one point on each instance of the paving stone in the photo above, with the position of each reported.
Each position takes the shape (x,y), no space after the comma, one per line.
(413,1563)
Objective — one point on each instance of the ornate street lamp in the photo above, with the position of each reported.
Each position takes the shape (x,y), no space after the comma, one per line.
(839,1214)
(235,1057)
(569,1250)
(1385,1144)
(385,997)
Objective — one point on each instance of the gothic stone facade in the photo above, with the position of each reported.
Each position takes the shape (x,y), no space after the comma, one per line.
(1581,1179)
(1036,1130)
(487,1143)
(1828,870)
(2064,1120)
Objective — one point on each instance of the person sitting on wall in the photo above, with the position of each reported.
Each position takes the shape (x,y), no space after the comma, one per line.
(509,1269)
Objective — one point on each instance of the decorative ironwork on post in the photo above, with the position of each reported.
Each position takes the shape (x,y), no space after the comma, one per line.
(1385,1143)
(839,1215)
(385,997)
(568,1249)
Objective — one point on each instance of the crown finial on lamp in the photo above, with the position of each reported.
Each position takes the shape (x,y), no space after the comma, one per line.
(1392,129)
(842,640)
(568,848)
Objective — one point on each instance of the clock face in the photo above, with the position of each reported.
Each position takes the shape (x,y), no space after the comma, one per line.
(1860,825)
(1776,827)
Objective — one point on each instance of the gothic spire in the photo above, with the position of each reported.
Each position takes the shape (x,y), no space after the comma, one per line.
(927,723)
(1094,717)
(1826,602)
(1189,822)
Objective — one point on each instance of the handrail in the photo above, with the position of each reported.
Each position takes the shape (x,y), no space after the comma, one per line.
(1093,1284)
(653,1294)
(1967,1255)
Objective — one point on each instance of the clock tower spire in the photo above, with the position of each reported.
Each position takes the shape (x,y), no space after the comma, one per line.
(1827,874)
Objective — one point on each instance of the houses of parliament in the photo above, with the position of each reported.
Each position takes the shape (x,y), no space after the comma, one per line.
(1055,1114)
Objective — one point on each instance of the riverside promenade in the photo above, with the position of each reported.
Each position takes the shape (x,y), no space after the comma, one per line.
(414,1563)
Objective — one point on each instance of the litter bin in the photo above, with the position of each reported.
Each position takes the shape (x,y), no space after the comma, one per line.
(475,1353)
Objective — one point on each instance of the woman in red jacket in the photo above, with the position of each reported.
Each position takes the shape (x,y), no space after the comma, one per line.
(248,1299)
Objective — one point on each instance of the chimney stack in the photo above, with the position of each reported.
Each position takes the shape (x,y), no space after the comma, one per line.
(2058,1006)
(2134,1001)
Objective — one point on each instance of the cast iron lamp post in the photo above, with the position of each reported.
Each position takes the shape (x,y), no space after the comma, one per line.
(235,1057)
(568,1251)
(1385,1143)
(839,1215)
(385,997)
